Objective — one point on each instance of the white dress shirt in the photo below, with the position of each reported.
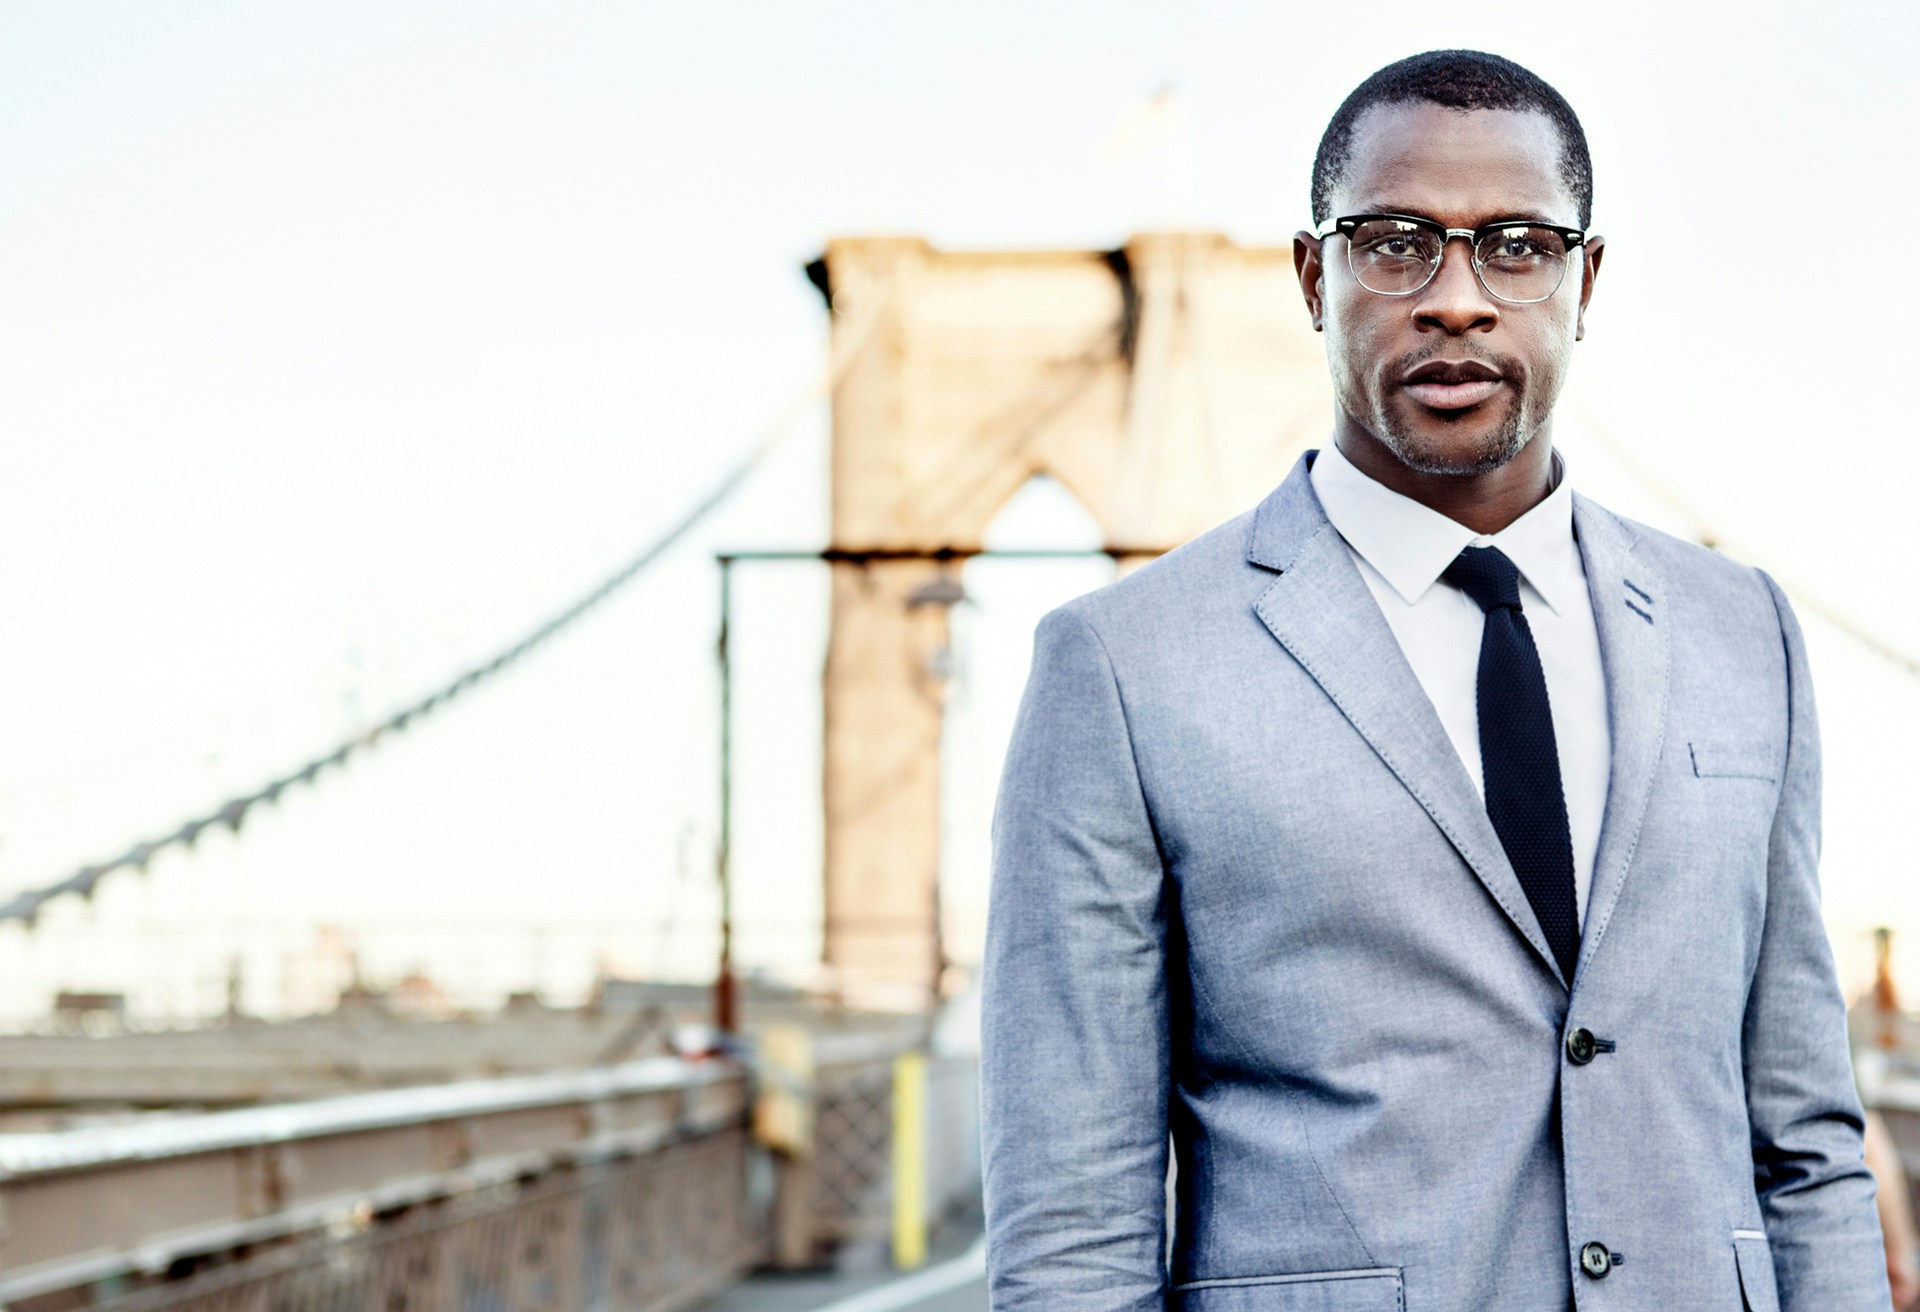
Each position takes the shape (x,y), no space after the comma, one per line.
(1401,547)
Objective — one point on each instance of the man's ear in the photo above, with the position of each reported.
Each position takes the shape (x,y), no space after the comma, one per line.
(1306,263)
(1591,251)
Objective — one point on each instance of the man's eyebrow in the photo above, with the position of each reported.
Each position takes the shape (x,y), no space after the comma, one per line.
(1389,207)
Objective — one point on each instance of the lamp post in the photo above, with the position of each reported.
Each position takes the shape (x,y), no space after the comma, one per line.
(726,1002)
(943,591)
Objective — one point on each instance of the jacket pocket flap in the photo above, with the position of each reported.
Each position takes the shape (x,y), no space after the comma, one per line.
(1755,1260)
(1375,1290)
(1734,760)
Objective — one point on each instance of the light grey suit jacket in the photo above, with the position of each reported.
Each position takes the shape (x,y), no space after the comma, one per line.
(1246,897)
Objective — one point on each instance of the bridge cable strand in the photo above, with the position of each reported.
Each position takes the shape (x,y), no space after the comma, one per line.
(26,905)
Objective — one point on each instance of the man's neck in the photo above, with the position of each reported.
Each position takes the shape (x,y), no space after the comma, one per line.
(1485,503)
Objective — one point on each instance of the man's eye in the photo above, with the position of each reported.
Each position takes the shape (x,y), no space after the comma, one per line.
(1521,247)
(1396,247)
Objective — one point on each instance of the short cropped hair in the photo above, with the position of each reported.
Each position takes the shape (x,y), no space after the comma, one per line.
(1457,79)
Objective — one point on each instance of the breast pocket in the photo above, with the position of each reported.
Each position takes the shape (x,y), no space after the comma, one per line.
(1734,759)
(1373,1290)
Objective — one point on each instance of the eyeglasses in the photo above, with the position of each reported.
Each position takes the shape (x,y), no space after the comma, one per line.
(1517,261)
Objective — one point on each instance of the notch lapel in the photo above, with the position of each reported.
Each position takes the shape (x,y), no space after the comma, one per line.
(1322,612)
(1629,600)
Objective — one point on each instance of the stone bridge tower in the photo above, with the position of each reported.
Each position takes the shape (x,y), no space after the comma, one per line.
(1167,384)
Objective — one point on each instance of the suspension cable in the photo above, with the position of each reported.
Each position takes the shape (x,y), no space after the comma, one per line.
(232,813)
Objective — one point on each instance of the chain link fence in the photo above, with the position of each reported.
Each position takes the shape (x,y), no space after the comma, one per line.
(841,1190)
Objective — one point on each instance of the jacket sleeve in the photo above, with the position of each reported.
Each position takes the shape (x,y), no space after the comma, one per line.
(1816,1195)
(1074,1013)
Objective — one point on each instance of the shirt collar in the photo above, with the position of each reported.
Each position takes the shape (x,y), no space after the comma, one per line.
(1411,544)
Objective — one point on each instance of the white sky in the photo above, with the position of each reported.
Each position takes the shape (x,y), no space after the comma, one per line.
(338,342)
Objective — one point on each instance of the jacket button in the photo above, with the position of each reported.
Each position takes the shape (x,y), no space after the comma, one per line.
(1580,1050)
(1595,1260)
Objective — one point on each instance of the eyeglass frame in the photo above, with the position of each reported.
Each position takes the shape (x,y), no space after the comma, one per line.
(1344,225)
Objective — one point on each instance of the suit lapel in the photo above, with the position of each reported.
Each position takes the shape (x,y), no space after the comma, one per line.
(1629,599)
(1321,611)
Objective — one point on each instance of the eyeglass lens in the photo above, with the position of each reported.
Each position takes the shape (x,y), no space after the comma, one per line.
(1518,263)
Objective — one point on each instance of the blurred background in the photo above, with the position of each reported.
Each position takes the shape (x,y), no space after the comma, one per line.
(394,398)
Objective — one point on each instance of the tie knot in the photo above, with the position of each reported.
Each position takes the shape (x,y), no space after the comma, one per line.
(1486,575)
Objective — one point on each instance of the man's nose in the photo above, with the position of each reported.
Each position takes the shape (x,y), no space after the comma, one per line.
(1455,302)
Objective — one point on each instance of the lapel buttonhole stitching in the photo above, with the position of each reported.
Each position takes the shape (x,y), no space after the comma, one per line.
(1644,612)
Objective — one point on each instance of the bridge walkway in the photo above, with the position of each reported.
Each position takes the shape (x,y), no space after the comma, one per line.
(953,1280)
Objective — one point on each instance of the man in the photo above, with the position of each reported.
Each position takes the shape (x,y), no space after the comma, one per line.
(1429,853)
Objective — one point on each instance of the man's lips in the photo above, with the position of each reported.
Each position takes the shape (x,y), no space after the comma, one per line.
(1454,396)
(1453,384)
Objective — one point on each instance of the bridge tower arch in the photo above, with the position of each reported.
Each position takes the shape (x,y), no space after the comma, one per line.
(1167,384)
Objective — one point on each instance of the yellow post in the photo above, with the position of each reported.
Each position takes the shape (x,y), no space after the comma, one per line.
(909,1161)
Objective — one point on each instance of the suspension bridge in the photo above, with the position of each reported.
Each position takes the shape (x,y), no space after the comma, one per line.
(651,1148)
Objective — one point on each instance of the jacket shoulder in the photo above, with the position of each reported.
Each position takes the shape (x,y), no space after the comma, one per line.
(1684,562)
(1742,599)
(1206,574)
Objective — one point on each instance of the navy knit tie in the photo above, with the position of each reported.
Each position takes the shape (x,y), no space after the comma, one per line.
(1519,760)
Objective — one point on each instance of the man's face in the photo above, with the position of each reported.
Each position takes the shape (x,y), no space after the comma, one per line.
(1410,371)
